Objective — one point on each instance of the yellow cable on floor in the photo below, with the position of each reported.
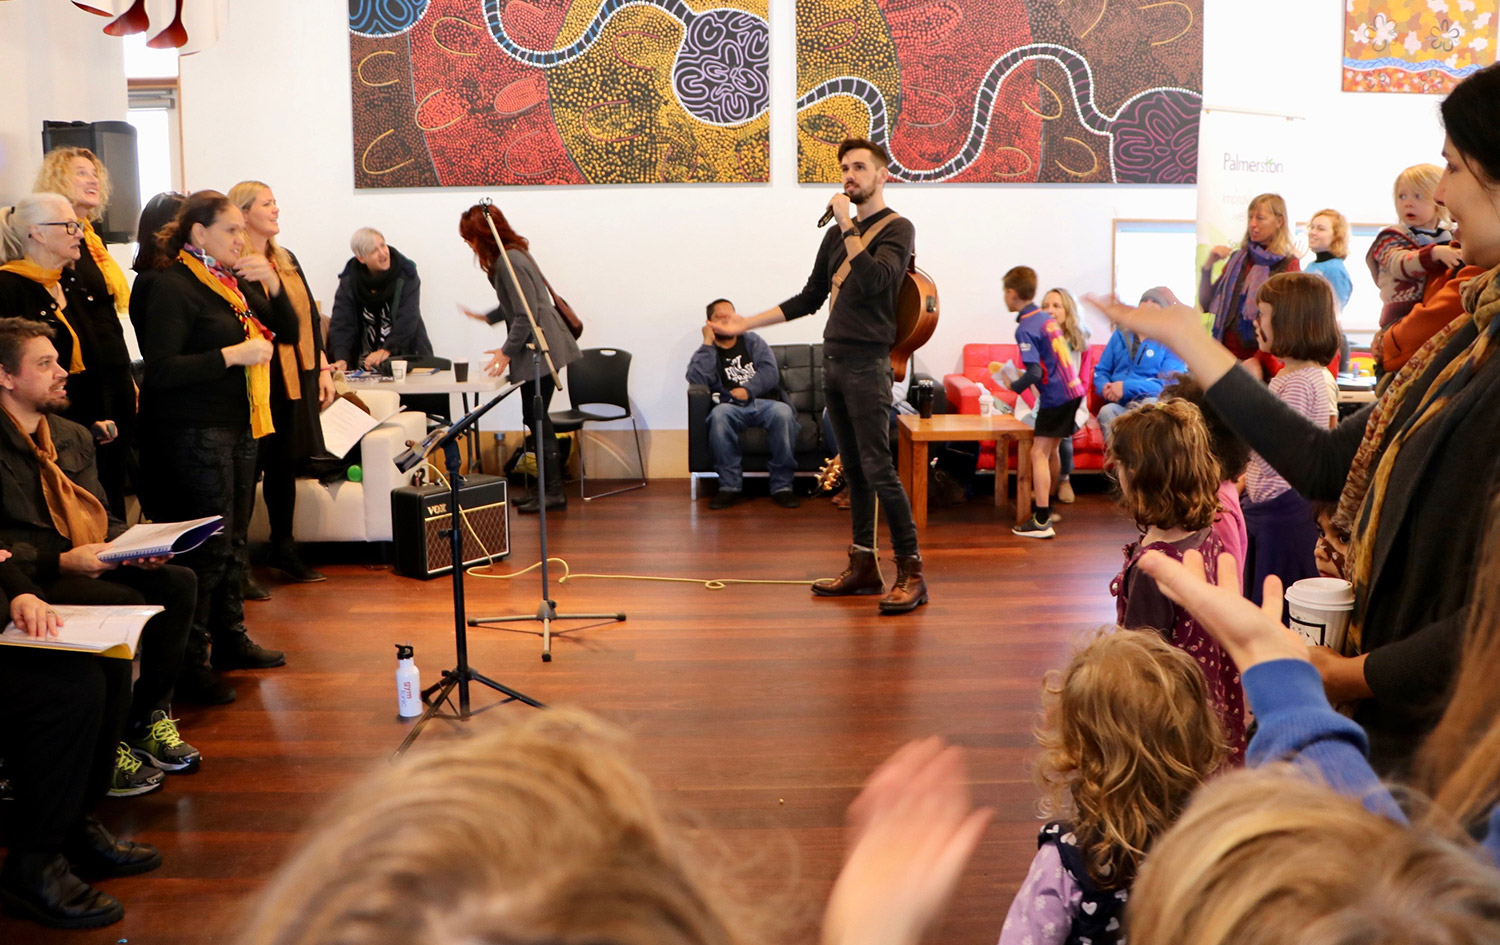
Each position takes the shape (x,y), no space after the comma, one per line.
(712,584)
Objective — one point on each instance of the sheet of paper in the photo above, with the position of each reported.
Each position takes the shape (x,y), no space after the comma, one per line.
(91,629)
(345,425)
(155,535)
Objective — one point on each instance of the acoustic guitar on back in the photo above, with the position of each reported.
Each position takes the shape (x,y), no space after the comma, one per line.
(916,317)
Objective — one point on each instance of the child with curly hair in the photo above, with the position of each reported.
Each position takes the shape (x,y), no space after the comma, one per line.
(1128,733)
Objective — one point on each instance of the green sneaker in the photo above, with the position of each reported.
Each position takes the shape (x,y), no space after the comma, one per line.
(132,777)
(163,747)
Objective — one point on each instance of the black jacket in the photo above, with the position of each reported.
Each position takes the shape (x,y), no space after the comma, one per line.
(1428,540)
(346,327)
(189,324)
(26,527)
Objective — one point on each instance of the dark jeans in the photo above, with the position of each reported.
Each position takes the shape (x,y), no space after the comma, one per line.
(279,462)
(64,715)
(164,640)
(857,392)
(212,472)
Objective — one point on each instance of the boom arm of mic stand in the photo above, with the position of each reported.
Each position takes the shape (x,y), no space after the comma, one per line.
(463,424)
(536,331)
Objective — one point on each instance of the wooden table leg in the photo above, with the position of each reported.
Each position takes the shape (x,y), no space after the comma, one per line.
(1002,483)
(917,476)
(1023,478)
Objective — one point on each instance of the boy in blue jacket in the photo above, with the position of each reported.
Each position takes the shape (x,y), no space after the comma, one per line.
(741,372)
(1132,370)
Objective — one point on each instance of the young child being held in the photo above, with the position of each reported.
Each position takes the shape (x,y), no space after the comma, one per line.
(1048,365)
(1127,735)
(1415,246)
(1297,325)
(1169,485)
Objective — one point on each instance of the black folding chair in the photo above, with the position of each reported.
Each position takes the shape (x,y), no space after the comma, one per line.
(600,378)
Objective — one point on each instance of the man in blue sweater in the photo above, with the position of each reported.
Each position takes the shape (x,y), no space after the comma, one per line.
(1133,370)
(741,372)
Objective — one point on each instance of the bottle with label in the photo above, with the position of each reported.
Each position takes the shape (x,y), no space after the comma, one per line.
(408,683)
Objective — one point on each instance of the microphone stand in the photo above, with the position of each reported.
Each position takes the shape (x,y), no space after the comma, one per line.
(546,611)
(462,674)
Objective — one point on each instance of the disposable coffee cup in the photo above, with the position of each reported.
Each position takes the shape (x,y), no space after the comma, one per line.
(398,370)
(460,371)
(1319,609)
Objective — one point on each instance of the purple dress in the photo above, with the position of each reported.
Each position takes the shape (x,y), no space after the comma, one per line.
(1140,604)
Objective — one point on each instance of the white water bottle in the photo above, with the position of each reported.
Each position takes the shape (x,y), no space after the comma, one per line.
(408,683)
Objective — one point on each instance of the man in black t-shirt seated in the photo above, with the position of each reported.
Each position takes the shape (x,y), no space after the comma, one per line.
(741,372)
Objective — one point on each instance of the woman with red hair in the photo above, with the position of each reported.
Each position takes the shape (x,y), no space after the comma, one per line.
(528,285)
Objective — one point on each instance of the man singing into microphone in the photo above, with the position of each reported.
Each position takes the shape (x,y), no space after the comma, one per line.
(861,263)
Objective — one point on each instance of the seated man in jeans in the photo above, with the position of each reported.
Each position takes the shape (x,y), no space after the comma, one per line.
(741,372)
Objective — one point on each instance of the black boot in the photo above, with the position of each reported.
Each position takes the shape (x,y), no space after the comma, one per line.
(251,589)
(97,853)
(284,558)
(556,497)
(235,650)
(41,887)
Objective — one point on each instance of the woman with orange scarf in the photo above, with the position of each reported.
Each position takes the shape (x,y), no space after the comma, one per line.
(208,357)
(301,382)
(109,407)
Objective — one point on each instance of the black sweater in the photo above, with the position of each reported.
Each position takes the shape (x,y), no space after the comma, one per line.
(863,320)
(189,324)
(1427,543)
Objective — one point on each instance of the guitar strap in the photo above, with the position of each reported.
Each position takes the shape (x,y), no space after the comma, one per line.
(865,239)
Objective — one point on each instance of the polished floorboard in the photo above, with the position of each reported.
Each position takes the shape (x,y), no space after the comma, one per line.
(757,709)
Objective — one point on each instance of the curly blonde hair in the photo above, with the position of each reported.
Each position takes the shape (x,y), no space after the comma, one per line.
(1127,732)
(541,831)
(1268,856)
(56,176)
(1170,474)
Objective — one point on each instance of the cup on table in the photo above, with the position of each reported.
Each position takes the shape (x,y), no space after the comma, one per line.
(398,370)
(1319,609)
(461,371)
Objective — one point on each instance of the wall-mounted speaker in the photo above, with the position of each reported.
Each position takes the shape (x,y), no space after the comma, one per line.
(115,143)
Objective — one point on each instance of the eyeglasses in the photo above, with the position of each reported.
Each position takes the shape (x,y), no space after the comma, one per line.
(71,227)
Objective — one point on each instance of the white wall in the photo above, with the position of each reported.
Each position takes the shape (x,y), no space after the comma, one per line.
(57,65)
(271,101)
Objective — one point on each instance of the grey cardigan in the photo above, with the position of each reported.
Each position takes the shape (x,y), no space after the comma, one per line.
(560,341)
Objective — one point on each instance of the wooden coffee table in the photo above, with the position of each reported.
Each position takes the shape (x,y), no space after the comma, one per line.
(1003,429)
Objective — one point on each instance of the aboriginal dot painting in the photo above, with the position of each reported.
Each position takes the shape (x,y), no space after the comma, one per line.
(970,91)
(459,93)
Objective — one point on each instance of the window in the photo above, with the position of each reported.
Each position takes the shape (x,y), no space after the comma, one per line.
(152,78)
(1149,253)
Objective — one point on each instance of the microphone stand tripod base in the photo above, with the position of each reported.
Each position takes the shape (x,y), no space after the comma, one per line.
(546,614)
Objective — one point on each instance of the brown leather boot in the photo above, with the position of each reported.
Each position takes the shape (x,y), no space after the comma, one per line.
(861,577)
(910,591)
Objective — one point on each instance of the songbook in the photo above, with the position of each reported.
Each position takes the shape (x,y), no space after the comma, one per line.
(162,538)
(108,631)
(344,425)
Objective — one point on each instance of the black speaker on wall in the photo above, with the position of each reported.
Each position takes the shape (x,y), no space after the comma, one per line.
(115,143)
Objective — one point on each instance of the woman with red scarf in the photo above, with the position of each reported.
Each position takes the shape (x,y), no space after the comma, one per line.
(208,360)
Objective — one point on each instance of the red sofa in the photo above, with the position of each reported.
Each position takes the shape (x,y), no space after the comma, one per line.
(963,397)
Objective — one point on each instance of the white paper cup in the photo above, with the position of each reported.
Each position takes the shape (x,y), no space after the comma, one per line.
(1319,609)
(398,370)
(986,405)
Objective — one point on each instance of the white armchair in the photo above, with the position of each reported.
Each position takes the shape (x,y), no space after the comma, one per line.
(354,511)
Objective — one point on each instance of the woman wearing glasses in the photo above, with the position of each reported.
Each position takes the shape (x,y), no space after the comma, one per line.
(39,239)
(79,176)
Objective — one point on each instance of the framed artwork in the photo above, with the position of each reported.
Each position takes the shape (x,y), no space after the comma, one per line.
(464,93)
(1422,46)
(1035,91)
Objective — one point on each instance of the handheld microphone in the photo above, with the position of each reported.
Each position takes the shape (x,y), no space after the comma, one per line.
(826,218)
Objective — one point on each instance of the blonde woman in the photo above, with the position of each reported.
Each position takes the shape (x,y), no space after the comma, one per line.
(301,381)
(108,396)
(1060,305)
(1265,251)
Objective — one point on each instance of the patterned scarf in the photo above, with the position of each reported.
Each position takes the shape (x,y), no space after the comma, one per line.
(226,287)
(1251,265)
(76,513)
(1482,301)
(49,279)
(297,357)
(114,278)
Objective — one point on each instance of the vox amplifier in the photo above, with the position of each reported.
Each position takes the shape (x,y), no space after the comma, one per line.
(420,519)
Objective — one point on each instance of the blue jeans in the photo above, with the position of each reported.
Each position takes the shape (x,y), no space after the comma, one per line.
(779,421)
(1111,412)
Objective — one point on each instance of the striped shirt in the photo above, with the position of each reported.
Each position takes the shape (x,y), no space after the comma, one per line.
(1312,392)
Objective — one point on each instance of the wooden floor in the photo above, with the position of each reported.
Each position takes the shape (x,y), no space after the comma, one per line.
(758,709)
